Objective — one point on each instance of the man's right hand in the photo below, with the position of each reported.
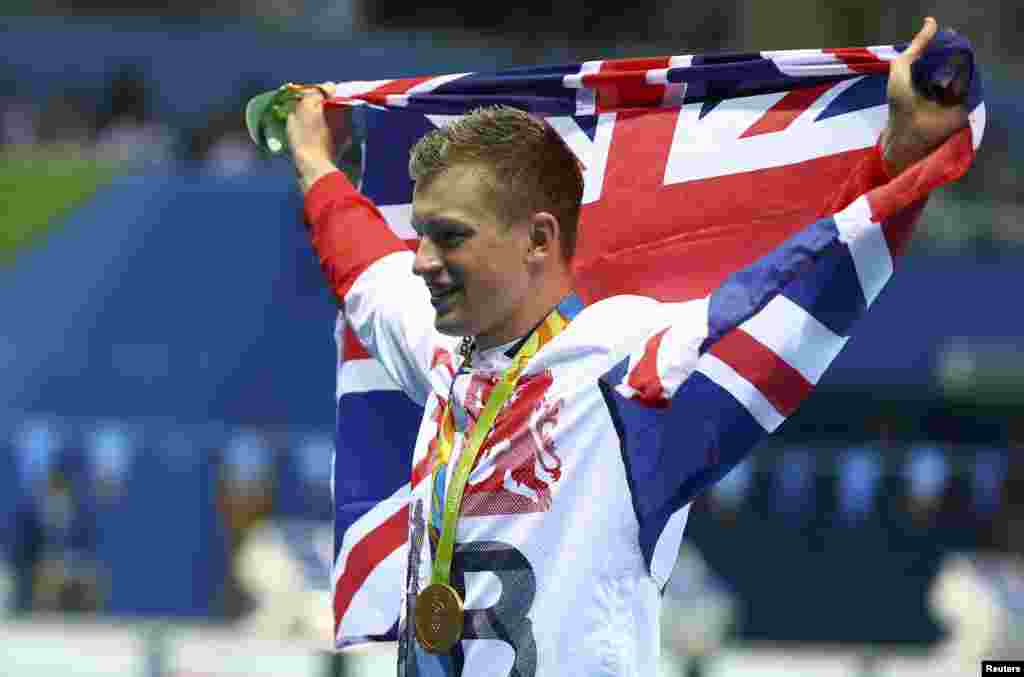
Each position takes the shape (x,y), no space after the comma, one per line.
(316,134)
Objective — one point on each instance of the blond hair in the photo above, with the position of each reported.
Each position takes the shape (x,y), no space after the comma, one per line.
(532,167)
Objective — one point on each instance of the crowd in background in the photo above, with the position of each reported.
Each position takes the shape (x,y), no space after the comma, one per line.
(895,497)
(122,127)
(65,478)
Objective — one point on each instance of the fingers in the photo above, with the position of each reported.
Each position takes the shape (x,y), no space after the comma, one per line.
(310,101)
(921,40)
(324,89)
(309,108)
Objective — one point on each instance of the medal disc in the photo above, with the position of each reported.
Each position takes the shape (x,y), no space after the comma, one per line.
(438,618)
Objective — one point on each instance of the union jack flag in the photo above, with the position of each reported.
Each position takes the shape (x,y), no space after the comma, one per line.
(695,166)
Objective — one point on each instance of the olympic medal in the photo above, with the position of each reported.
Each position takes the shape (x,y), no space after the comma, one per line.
(439,618)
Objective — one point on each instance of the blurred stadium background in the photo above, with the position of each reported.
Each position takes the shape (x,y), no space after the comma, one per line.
(166,356)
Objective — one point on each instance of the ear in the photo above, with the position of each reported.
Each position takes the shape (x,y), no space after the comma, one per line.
(545,233)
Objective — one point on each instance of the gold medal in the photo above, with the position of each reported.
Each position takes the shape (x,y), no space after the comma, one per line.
(438,618)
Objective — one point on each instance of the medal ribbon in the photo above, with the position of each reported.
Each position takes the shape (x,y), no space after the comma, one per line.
(552,325)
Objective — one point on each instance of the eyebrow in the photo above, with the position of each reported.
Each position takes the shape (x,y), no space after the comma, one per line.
(433,224)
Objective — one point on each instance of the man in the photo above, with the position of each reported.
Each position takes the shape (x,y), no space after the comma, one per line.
(560,446)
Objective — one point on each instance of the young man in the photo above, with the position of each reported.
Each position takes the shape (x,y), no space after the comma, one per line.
(560,446)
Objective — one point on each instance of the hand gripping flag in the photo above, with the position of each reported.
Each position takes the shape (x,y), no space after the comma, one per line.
(695,167)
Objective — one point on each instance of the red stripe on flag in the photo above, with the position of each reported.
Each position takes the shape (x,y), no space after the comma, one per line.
(644,379)
(399,86)
(364,558)
(633,189)
(900,228)
(402,86)
(622,83)
(421,470)
(789,108)
(352,348)
(897,203)
(859,59)
(781,384)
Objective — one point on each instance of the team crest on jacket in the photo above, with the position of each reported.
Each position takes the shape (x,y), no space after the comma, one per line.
(519,462)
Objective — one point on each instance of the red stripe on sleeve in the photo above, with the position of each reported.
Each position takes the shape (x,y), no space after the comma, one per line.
(364,558)
(781,384)
(347,231)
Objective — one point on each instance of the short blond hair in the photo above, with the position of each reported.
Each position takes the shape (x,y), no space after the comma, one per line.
(532,167)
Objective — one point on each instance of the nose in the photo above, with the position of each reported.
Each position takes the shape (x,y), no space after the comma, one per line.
(427,261)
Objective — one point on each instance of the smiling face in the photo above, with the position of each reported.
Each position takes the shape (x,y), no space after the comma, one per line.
(475,262)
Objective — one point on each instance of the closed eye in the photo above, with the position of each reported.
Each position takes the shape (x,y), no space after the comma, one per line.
(449,239)
(444,233)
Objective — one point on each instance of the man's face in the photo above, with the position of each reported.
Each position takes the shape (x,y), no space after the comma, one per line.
(472,261)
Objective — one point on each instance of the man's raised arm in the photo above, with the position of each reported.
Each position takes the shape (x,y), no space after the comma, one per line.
(366,265)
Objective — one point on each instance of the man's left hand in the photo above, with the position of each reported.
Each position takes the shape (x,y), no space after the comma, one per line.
(916,124)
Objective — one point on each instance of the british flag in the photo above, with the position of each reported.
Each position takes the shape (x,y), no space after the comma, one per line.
(695,166)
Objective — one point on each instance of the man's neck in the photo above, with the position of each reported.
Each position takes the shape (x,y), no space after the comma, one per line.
(525,323)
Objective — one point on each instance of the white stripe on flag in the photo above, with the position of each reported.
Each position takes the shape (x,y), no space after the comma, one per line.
(586,99)
(795,61)
(575,80)
(796,336)
(399,217)
(357,87)
(977,119)
(433,83)
(713,145)
(402,100)
(867,245)
(675,92)
(679,350)
(809,116)
(363,376)
(666,550)
(743,390)
(377,603)
(807,62)
(884,52)
(363,526)
(659,76)
(798,56)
